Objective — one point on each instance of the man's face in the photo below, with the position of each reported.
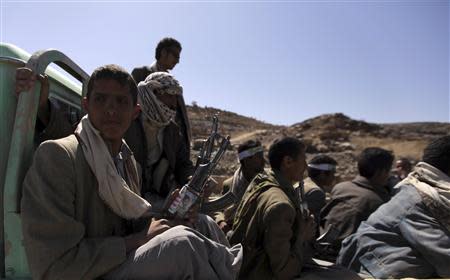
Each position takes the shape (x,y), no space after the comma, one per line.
(110,108)
(327,179)
(169,100)
(169,57)
(402,168)
(295,167)
(254,164)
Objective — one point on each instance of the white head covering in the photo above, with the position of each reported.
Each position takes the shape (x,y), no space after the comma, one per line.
(153,109)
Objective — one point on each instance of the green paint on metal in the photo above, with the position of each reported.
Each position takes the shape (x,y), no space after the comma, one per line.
(8,50)
(16,265)
(17,122)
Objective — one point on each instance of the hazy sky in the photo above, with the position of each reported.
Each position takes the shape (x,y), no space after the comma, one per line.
(278,61)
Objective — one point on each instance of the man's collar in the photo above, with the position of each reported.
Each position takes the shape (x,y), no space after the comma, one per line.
(365,183)
(281,179)
(125,152)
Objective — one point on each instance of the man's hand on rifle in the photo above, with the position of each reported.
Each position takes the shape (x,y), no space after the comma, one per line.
(308,228)
(191,216)
(224,226)
(210,187)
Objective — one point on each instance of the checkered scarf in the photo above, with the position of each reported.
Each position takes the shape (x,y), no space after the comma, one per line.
(153,109)
(434,187)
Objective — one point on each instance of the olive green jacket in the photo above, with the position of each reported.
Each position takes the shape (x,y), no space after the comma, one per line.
(268,223)
(227,214)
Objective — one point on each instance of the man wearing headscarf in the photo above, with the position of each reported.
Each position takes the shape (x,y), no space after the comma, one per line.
(409,236)
(318,185)
(167,160)
(251,159)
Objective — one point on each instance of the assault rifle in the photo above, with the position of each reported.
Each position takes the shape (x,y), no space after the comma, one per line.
(303,202)
(191,192)
(324,243)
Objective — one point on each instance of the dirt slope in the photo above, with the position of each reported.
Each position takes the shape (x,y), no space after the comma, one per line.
(334,134)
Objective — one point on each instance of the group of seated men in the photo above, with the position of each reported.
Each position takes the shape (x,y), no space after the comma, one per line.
(90,197)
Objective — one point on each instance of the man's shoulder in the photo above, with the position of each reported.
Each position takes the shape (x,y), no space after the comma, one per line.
(274,205)
(140,73)
(141,68)
(310,186)
(346,187)
(69,144)
(344,184)
(274,196)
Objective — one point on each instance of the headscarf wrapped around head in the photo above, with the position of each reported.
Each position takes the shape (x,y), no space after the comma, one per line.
(165,82)
(153,109)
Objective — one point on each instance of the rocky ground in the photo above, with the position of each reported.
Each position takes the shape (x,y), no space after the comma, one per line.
(333,134)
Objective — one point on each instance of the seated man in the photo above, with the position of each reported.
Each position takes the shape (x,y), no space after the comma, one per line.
(251,158)
(269,223)
(79,223)
(166,160)
(402,168)
(409,236)
(160,148)
(352,202)
(318,185)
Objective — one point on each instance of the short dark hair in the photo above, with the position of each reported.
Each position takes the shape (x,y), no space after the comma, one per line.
(280,148)
(116,73)
(166,43)
(374,159)
(313,172)
(248,145)
(437,153)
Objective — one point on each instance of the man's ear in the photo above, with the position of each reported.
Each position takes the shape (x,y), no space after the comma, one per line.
(137,110)
(287,161)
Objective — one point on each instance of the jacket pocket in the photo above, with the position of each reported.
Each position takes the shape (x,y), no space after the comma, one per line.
(374,265)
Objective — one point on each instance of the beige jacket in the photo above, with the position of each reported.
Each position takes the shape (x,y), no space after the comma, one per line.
(69,233)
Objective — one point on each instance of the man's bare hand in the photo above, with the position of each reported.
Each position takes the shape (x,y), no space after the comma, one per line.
(191,215)
(136,240)
(25,81)
(224,226)
(308,229)
(210,186)
(157,227)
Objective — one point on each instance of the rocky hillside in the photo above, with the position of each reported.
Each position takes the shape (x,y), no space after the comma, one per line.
(333,134)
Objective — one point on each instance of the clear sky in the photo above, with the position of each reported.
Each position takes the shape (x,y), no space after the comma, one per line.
(278,61)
